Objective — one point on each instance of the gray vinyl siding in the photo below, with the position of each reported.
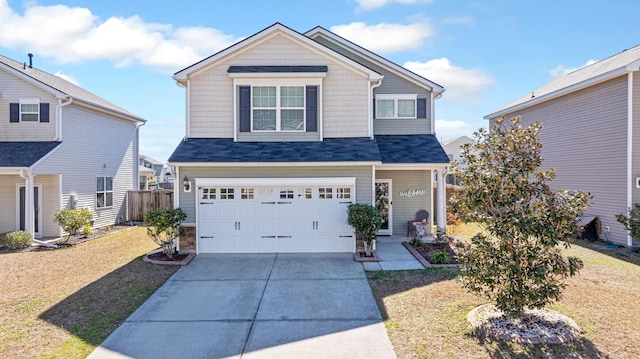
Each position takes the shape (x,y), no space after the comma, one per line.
(635,172)
(8,201)
(94,145)
(391,84)
(404,208)
(278,136)
(584,138)
(187,199)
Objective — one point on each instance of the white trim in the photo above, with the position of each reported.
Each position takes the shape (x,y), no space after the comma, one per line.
(396,98)
(388,231)
(392,67)
(12,170)
(29,101)
(270,182)
(188,109)
(630,182)
(36,231)
(271,75)
(373,185)
(275,164)
(60,204)
(411,166)
(235,110)
(433,115)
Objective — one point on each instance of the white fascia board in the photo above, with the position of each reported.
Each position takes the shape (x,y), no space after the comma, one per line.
(561,92)
(412,166)
(274,164)
(39,84)
(393,67)
(246,43)
(12,170)
(269,182)
(108,111)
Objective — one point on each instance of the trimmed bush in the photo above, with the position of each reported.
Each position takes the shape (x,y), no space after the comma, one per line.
(163,226)
(71,220)
(366,222)
(16,239)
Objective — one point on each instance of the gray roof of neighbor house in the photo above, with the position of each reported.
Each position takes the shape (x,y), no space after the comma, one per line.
(24,154)
(616,65)
(386,149)
(61,85)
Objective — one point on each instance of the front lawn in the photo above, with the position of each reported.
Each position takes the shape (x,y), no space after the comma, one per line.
(63,303)
(425,312)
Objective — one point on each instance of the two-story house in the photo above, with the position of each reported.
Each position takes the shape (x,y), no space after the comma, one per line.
(151,172)
(591,134)
(284,130)
(61,147)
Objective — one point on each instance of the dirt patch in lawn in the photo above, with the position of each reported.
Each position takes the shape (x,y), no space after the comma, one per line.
(63,303)
(425,313)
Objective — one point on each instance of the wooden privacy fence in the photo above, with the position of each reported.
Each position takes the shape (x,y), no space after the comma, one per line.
(140,202)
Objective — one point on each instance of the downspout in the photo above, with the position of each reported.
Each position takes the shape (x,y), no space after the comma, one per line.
(371,99)
(59,117)
(29,210)
(136,158)
(629,148)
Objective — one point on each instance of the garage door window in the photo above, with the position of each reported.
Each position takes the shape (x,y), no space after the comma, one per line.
(226,193)
(208,193)
(325,193)
(305,193)
(286,194)
(247,193)
(343,193)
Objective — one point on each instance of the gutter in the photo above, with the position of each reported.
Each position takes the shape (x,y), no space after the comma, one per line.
(371,99)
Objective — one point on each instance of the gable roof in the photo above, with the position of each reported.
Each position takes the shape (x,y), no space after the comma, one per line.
(389,65)
(463,138)
(62,88)
(185,73)
(24,154)
(611,67)
(411,149)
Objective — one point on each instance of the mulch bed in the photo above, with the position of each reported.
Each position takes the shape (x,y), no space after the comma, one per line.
(181,259)
(425,250)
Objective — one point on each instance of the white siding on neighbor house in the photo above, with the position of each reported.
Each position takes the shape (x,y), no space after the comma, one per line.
(94,145)
(404,208)
(584,138)
(12,89)
(391,84)
(344,91)
(187,199)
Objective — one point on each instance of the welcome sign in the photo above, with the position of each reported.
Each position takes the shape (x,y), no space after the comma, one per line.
(413,193)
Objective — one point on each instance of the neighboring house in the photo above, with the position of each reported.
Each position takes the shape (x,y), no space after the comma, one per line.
(61,147)
(155,176)
(285,130)
(591,134)
(453,148)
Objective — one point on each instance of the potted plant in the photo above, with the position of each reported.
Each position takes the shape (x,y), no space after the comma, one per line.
(366,222)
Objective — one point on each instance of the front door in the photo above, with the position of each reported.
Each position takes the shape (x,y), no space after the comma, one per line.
(36,205)
(384,205)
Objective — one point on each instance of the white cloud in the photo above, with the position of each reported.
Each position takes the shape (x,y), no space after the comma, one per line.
(562,70)
(365,5)
(69,78)
(461,85)
(386,38)
(446,129)
(459,20)
(73,34)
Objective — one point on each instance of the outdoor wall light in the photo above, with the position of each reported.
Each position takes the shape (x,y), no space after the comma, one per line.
(187,184)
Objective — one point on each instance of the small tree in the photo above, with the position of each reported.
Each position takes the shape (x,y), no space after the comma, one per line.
(71,220)
(163,226)
(518,265)
(366,222)
(631,221)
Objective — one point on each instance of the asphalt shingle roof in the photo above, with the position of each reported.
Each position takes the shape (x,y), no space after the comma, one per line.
(24,154)
(388,149)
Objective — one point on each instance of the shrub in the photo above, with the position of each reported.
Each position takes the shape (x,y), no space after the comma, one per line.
(163,226)
(631,221)
(16,239)
(86,229)
(439,257)
(71,220)
(366,222)
(518,264)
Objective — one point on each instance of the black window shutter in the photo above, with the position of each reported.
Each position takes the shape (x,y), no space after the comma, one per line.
(44,112)
(14,112)
(312,108)
(374,108)
(245,109)
(422,108)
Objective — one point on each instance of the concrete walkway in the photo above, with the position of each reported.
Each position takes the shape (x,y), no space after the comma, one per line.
(393,256)
(257,306)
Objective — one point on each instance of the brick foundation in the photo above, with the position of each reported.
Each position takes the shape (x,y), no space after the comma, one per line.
(188,239)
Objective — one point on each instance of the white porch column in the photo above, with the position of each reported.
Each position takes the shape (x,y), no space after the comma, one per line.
(441,198)
(29,209)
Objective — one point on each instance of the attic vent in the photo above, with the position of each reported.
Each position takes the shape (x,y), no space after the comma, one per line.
(30,60)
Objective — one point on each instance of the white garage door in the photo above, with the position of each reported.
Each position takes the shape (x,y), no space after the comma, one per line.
(274,215)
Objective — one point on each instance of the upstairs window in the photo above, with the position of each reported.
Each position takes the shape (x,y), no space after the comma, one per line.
(396,106)
(278,108)
(29,110)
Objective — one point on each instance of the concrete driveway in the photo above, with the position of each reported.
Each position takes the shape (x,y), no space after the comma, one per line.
(257,306)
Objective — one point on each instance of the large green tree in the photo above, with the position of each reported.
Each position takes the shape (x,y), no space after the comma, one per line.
(518,262)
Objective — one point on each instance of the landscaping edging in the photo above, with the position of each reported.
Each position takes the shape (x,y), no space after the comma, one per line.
(422,260)
(183,262)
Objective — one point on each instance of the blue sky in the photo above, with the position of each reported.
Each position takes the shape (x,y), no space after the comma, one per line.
(485,53)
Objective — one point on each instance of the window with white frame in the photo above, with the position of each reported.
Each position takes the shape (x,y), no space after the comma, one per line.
(396,106)
(104,192)
(278,108)
(29,110)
